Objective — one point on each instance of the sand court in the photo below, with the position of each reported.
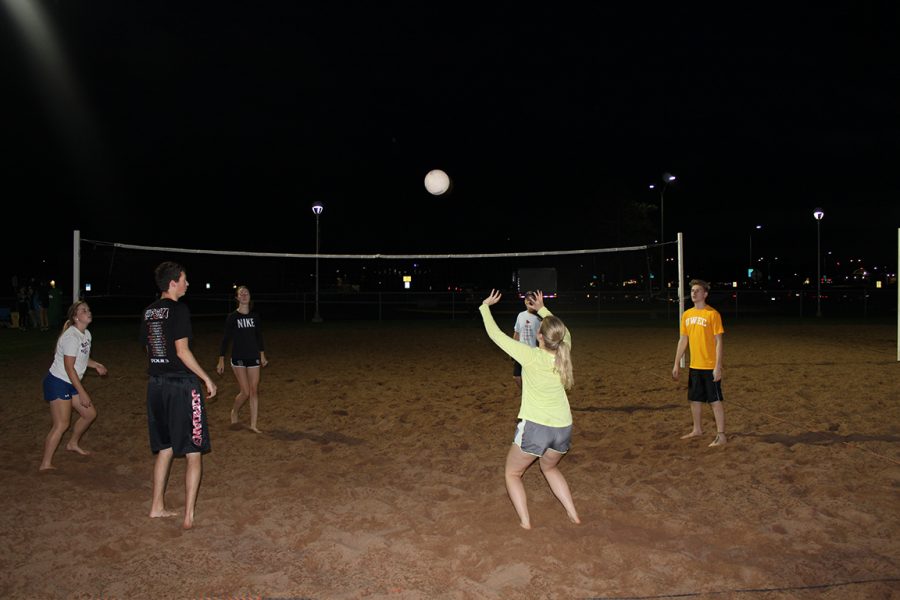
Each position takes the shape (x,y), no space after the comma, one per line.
(379,472)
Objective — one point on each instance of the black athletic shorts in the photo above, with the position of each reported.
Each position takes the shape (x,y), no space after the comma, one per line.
(176,414)
(702,388)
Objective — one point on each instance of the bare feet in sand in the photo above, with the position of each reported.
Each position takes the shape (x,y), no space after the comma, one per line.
(525,525)
(77,450)
(188,522)
(574,518)
(234,417)
(156,514)
(720,440)
(46,468)
(255,430)
(692,434)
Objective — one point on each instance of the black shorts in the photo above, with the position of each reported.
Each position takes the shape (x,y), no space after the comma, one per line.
(176,414)
(517,369)
(702,388)
(245,362)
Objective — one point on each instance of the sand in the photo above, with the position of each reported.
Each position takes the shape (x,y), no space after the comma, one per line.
(379,472)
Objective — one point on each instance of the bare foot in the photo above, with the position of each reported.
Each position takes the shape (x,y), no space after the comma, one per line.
(156,514)
(78,450)
(234,417)
(188,522)
(47,468)
(720,440)
(255,430)
(692,434)
(525,525)
(574,518)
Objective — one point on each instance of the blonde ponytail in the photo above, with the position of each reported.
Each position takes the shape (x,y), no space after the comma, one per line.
(553,331)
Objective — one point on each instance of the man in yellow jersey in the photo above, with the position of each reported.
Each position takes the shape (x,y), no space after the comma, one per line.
(701,329)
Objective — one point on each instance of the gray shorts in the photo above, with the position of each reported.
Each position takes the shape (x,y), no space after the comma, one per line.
(533,438)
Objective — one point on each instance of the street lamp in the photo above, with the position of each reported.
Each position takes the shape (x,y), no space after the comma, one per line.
(749,274)
(818,214)
(317,209)
(667,178)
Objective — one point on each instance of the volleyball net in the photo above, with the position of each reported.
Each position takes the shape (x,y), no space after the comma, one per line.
(121,274)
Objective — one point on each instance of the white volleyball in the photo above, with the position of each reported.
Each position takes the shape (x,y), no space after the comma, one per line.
(437,182)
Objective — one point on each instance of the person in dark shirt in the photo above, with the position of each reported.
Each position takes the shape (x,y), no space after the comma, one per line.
(176,412)
(247,354)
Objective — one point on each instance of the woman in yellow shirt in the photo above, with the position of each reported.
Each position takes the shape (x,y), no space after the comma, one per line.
(544,430)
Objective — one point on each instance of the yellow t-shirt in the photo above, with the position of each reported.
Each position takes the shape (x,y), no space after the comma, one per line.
(544,399)
(701,326)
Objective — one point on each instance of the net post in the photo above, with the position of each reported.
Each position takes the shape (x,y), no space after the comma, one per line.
(680,285)
(76,264)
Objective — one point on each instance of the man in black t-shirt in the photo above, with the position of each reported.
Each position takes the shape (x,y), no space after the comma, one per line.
(176,412)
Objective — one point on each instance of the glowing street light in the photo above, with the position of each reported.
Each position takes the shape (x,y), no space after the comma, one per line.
(818,214)
(667,178)
(317,209)
(757,227)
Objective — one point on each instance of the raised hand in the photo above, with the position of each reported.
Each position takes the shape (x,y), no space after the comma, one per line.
(494,298)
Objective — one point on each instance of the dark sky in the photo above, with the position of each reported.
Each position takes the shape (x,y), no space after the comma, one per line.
(218,124)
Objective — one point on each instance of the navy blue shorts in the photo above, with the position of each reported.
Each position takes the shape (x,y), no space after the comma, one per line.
(702,388)
(176,414)
(58,389)
(534,438)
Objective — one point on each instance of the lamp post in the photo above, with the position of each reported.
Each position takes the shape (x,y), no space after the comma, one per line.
(818,214)
(749,274)
(317,209)
(667,178)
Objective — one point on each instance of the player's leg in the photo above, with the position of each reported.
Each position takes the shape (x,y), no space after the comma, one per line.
(240,373)
(86,416)
(517,462)
(253,393)
(549,467)
(696,417)
(697,397)
(160,479)
(192,476)
(718,409)
(60,414)
(517,374)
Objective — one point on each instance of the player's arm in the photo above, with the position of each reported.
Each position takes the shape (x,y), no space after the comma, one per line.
(720,350)
(101,369)
(519,351)
(69,366)
(263,361)
(679,354)
(223,347)
(183,350)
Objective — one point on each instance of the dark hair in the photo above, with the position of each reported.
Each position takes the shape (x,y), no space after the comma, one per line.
(166,272)
(701,283)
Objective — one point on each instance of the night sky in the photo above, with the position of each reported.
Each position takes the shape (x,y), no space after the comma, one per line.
(217,125)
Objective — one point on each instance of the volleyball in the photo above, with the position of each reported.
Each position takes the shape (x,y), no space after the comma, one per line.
(437,182)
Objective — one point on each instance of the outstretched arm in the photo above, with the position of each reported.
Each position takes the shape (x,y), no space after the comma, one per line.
(520,352)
